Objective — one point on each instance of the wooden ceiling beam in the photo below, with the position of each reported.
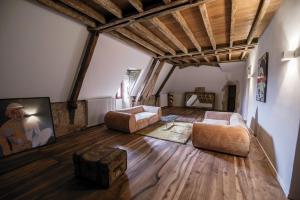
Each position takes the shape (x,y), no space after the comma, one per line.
(186,60)
(224,49)
(166,31)
(110,6)
(182,22)
(232,21)
(167,1)
(85,9)
(132,43)
(244,53)
(137,4)
(213,64)
(205,17)
(259,16)
(157,11)
(205,58)
(139,40)
(69,12)
(154,39)
(194,59)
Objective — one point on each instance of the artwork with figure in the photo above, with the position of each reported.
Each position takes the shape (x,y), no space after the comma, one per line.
(262,75)
(25,124)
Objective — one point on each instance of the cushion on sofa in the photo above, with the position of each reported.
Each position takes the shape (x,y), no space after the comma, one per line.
(217,115)
(237,120)
(143,115)
(216,121)
(133,110)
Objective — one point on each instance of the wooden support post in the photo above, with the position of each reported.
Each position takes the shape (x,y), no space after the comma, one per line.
(88,53)
(151,84)
(146,80)
(163,84)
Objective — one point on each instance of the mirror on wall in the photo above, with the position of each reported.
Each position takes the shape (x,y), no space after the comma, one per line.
(203,100)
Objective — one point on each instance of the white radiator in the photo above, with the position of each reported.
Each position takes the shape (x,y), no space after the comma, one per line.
(97,108)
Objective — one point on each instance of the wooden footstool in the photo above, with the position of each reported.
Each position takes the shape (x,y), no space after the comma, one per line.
(101,165)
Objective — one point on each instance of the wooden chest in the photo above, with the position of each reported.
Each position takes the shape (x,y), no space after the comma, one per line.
(101,165)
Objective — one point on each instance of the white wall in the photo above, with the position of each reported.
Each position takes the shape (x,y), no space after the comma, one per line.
(279,116)
(108,66)
(40,51)
(212,78)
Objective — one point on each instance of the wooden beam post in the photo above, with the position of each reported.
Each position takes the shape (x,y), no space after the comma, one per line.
(163,84)
(151,83)
(146,80)
(88,53)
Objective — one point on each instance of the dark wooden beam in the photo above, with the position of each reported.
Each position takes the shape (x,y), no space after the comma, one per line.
(145,82)
(210,51)
(153,38)
(151,84)
(137,4)
(69,12)
(139,40)
(85,9)
(88,53)
(157,11)
(208,27)
(214,64)
(130,42)
(168,34)
(262,10)
(110,7)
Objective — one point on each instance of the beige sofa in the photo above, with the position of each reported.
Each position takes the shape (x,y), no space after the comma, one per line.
(132,119)
(222,131)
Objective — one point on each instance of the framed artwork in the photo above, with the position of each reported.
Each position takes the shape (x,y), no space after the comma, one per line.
(262,78)
(25,123)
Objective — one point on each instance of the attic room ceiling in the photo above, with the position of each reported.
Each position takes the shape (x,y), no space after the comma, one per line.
(181,32)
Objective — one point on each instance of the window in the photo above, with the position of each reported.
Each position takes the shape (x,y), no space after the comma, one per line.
(119,94)
(133,75)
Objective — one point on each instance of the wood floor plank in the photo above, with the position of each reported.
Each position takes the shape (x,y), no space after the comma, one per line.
(157,170)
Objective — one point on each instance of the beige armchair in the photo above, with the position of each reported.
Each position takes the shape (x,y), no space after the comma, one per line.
(223,132)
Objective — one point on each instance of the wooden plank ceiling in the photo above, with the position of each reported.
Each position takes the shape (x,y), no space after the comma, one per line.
(181,32)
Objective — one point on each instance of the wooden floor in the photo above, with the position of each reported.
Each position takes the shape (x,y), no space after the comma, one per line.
(156,170)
